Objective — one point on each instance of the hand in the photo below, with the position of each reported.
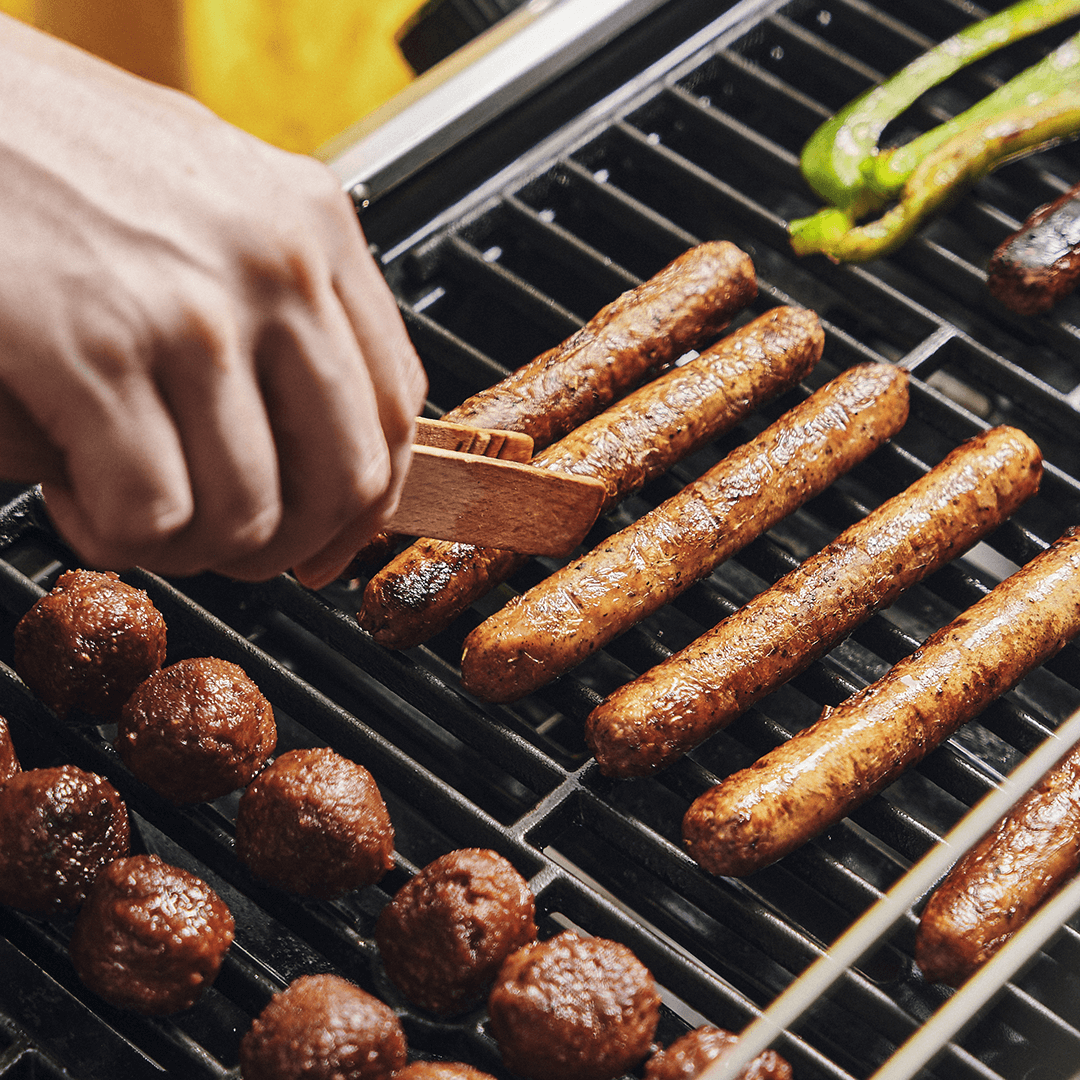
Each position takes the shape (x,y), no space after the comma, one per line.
(200,358)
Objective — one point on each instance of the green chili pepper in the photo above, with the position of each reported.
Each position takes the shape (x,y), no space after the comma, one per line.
(889,170)
(969,155)
(834,158)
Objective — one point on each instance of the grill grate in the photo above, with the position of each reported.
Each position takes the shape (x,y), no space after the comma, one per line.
(700,144)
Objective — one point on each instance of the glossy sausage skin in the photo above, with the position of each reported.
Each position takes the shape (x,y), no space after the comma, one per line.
(655,719)
(993,890)
(584,605)
(682,307)
(1039,263)
(640,333)
(816,778)
(428,585)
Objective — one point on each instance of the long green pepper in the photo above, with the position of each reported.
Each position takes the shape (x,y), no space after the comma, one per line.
(969,155)
(833,158)
(841,160)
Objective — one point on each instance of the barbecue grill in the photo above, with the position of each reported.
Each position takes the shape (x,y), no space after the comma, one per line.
(608,138)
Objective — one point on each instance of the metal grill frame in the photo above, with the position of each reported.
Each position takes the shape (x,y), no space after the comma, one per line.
(700,143)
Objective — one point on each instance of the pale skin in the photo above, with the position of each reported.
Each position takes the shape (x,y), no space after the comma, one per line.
(198,355)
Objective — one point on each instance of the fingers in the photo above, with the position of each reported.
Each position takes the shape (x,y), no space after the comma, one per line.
(398,376)
(335,462)
(400,386)
(169,459)
(248,420)
(127,485)
(208,384)
(246,457)
(212,353)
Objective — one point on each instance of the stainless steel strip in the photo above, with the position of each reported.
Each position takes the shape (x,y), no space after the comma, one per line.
(524,51)
(879,919)
(978,991)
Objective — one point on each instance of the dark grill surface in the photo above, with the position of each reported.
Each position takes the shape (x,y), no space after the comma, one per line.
(699,145)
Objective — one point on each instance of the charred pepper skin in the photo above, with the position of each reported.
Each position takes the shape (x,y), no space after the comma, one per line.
(843,163)
(835,158)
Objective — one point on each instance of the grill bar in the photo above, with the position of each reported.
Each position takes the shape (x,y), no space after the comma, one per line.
(701,141)
(786,1011)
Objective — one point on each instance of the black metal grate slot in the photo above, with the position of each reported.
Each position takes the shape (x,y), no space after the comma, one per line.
(706,145)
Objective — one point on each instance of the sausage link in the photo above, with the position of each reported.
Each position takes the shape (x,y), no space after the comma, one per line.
(638,334)
(427,586)
(648,723)
(584,605)
(1038,264)
(646,329)
(994,888)
(808,784)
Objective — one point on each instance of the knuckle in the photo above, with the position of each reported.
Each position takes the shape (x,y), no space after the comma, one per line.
(244,533)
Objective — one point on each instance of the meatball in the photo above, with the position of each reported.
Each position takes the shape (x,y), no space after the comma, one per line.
(323,1027)
(88,643)
(58,828)
(687,1056)
(196,730)
(9,761)
(573,1008)
(448,929)
(440,1070)
(314,823)
(150,937)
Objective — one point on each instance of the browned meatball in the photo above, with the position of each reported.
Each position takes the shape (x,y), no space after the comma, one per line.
(440,1070)
(150,937)
(323,1028)
(573,1008)
(9,761)
(688,1056)
(449,928)
(88,643)
(314,823)
(196,730)
(58,828)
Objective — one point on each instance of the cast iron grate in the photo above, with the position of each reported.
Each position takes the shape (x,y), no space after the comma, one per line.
(704,144)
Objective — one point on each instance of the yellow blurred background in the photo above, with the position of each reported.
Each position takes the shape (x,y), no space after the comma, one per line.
(293,72)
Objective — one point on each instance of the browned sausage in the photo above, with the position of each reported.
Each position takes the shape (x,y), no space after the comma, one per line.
(641,332)
(809,783)
(1039,263)
(427,586)
(646,329)
(581,607)
(665,712)
(991,892)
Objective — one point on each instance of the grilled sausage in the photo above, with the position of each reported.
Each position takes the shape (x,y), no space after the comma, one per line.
(673,707)
(646,329)
(809,783)
(1039,263)
(581,607)
(991,892)
(643,331)
(428,585)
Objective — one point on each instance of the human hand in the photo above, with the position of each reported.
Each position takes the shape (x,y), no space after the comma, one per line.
(198,355)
